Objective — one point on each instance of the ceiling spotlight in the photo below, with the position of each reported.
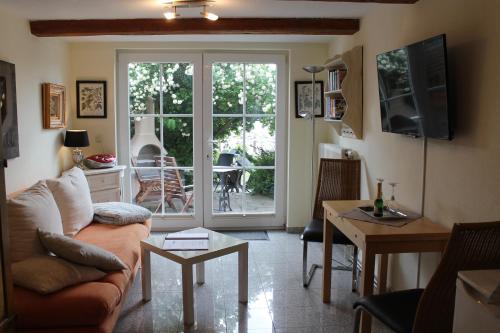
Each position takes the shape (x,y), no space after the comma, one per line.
(170,8)
(170,13)
(208,15)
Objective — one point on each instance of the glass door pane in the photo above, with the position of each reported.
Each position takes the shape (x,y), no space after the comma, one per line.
(243,98)
(161,142)
(163,119)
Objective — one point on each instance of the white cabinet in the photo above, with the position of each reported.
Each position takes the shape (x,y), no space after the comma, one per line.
(477,302)
(106,185)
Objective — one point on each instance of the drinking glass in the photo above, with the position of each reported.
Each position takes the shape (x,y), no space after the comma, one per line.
(392,202)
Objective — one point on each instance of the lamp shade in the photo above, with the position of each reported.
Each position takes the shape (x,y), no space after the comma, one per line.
(76,138)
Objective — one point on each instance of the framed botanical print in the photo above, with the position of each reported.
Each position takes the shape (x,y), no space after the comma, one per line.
(54,105)
(91,99)
(303,98)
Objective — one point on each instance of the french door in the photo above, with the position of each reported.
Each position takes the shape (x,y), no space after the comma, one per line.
(202,135)
(244,163)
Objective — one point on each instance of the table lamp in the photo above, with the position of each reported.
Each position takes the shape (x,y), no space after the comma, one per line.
(77,139)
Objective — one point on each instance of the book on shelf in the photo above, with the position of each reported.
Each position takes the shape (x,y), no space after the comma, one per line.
(328,108)
(339,107)
(335,78)
(335,108)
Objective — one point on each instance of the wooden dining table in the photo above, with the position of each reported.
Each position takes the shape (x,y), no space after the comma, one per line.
(421,235)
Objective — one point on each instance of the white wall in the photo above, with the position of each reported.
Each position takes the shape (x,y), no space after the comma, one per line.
(463,178)
(97,61)
(37,61)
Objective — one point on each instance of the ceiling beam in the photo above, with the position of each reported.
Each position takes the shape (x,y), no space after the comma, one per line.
(365,1)
(190,26)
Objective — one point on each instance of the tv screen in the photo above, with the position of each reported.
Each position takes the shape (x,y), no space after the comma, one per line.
(413,90)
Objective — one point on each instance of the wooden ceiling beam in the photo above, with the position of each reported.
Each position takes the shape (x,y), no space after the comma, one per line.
(365,1)
(190,26)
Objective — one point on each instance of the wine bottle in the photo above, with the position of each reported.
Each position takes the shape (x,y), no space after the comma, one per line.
(378,205)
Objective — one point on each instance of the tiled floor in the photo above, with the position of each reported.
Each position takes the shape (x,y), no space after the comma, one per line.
(277,300)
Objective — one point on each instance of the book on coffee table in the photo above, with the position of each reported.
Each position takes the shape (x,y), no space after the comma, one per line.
(186,242)
(187,235)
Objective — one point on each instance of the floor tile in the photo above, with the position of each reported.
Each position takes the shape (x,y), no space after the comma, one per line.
(277,301)
(241,319)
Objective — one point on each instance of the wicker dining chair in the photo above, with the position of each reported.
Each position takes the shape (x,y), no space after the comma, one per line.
(472,246)
(338,179)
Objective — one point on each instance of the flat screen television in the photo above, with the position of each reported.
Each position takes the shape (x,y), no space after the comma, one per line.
(414,91)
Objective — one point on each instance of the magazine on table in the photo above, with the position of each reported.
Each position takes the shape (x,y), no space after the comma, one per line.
(186,241)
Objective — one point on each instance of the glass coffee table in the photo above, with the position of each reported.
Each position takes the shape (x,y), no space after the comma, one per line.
(218,245)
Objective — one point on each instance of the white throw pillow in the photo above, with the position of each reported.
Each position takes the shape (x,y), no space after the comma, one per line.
(47,274)
(79,252)
(33,209)
(72,195)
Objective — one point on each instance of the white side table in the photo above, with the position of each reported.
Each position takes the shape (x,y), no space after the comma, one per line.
(106,185)
(218,246)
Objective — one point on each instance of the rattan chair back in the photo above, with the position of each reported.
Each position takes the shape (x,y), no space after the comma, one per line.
(472,246)
(337,180)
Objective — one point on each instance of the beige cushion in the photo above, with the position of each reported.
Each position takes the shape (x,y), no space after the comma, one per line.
(33,209)
(72,195)
(79,252)
(47,274)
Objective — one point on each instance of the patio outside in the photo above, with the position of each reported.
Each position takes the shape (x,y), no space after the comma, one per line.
(244,103)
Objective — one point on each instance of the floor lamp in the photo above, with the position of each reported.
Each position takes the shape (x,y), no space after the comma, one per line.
(311,116)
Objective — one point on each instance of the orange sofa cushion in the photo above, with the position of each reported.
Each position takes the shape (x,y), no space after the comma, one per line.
(87,304)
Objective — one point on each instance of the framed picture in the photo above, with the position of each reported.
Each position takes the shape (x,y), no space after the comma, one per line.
(91,99)
(54,105)
(8,110)
(303,98)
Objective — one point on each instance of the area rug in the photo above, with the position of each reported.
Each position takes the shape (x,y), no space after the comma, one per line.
(247,235)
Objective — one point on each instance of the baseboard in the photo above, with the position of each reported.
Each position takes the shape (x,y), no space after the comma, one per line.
(295,230)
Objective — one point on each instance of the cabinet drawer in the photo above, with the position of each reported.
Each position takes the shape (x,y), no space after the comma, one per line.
(106,195)
(104,181)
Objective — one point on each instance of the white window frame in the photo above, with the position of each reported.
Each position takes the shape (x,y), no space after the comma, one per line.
(251,220)
(163,222)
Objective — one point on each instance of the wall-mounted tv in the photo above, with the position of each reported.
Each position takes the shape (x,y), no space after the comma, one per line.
(414,91)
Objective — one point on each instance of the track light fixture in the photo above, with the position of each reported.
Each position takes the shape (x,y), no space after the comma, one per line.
(170,13)
(208,15)
(171,6)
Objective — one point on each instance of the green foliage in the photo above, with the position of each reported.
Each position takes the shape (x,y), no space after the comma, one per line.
(262,181)
(172,83)
(394,64)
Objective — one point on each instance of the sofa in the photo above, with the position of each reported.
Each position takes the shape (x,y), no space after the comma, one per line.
(91,306)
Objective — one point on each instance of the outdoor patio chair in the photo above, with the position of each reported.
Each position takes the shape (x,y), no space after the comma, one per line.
(173,184)
(338,179)
(228,180)
(472,246)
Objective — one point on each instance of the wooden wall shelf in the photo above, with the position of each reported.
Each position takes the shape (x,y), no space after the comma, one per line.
(351,90)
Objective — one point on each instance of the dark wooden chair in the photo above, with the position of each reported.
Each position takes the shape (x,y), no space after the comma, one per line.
(338,179)
(472,246)
(174,185)
(150,183)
